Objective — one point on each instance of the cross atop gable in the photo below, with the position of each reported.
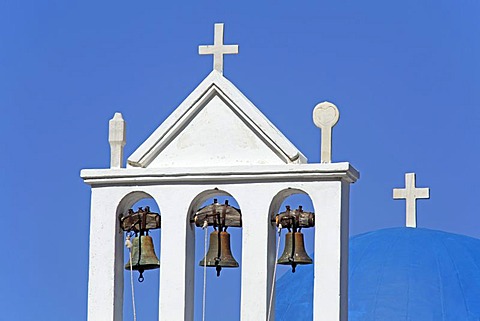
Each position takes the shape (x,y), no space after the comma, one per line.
(218,49)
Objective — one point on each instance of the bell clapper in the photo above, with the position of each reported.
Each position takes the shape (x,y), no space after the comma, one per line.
(292,253)
(219,248)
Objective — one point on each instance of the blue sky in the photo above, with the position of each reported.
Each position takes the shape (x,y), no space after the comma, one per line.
(405,76)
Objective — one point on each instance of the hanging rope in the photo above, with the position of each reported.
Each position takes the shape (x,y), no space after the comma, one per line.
(129,246)
(274,274)
(205,228)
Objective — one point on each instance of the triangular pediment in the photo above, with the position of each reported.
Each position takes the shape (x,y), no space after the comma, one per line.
(216,125)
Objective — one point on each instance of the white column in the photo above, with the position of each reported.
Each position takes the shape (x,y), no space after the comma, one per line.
(258,253)
(176,259)
(330,294)
(105,276)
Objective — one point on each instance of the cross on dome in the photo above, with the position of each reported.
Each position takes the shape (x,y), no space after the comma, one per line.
(218,49)
(411,193)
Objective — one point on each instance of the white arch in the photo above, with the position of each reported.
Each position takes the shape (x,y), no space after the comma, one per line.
(281,196)
(204,196)
(131,198)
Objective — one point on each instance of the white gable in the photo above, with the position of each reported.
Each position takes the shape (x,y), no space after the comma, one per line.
(215,125)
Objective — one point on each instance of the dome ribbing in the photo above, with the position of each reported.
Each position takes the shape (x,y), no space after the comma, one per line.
(398,274)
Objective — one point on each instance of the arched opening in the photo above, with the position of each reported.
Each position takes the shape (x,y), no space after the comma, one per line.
(300,282)
(222,293)
(145,294)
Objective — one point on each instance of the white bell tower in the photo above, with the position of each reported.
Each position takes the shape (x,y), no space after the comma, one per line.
(218,143)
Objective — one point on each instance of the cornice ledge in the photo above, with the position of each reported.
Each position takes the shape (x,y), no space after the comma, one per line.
(224,174)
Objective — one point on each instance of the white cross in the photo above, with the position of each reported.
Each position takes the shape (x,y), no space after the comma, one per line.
(410,193)
(218,49)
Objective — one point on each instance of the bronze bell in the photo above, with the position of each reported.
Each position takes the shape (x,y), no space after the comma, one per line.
(294,252)
(219,253)
(143,255)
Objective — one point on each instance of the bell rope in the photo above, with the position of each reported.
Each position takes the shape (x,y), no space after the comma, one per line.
(129,246)
(205,228)
(274,273)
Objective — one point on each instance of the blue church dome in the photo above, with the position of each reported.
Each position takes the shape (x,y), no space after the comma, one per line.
(398,274)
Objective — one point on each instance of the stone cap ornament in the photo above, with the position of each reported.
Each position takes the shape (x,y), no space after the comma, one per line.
(325,117)
(117,140)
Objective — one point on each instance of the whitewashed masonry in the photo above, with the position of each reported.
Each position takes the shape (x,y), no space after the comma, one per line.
(216,143)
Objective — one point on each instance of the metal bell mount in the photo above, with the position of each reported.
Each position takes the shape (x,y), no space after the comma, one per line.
(220,216)
(143,255)
(294,252)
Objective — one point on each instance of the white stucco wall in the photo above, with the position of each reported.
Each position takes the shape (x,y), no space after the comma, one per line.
(215,136)
(259,190)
